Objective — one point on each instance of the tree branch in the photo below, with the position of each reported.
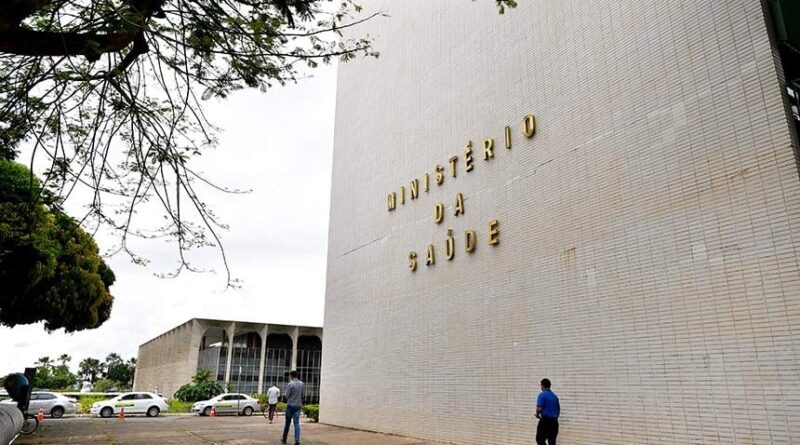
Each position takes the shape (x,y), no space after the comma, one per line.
(39,43)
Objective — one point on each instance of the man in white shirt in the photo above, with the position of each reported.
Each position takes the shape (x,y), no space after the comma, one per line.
(273,394)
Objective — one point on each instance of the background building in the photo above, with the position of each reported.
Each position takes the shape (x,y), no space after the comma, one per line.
(648,232)
(248,356)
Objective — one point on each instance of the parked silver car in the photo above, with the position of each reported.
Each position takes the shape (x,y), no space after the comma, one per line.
(52,404)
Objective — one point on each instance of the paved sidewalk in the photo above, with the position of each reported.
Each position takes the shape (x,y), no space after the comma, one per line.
(191,430)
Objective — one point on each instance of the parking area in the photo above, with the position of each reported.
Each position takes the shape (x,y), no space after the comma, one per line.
(185,430)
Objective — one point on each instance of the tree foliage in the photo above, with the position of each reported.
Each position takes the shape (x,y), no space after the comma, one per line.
(113,374)
(90,369)
(52,376)
(109,93)
(50,268)
(201,388)
(118,371)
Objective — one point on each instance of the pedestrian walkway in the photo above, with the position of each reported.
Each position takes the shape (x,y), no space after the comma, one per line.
(191,430)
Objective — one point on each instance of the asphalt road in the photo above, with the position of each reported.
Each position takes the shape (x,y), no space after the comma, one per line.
(185,430)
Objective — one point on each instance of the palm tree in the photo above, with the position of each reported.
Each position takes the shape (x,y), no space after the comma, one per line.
(64,359)
(44,362)
(90,368)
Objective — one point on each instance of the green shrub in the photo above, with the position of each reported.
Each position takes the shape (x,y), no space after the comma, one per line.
(261,397)
(281,408)
(177,406)
(85,403)
(201,388)
(312,412)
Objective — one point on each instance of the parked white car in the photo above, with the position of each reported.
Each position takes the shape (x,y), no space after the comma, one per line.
(228,403)
(52,404)
(133,403)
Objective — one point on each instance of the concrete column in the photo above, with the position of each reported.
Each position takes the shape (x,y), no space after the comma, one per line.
(264,332)
(231,332)
(295,336)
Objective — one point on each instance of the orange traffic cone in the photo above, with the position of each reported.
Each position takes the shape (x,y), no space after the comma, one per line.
(40,415)
(213,412)
(122,414)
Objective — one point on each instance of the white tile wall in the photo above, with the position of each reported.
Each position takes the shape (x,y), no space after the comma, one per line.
(648,261)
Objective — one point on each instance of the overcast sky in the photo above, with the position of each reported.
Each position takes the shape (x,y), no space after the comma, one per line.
(279,145)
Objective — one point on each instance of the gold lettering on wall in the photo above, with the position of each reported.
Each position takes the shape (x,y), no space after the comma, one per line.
(450,245)
(439,174)
(438,215)
(471,237)
(471,241)
(494,232)
(459,207)
(431,259)
(468,161)
(488,148)
(529,127)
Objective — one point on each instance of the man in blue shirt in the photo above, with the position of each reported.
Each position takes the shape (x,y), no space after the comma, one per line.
(547,410)
(294,404)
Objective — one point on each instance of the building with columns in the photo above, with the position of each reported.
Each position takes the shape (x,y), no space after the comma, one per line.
(247,357)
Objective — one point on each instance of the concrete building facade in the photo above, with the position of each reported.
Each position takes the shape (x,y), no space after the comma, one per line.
(247,357)
(634,235)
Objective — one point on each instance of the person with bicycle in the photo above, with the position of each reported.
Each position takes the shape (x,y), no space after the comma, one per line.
(273,394)
(18,388)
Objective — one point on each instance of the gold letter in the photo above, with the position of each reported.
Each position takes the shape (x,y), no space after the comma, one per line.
(392,201)
(450,245)
(494,232)
(488,148)
(468,165)
(439,174)
(412,261)
(402,195)
(508,138)
(426,184)
(415,189)
(459,204)
(453,162)
(439,213)
(431,256)
(529,127)
(472,240)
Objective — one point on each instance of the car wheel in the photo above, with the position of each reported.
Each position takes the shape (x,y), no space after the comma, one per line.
(57,412)
(106,412)
(153,411)
(248,411)
(207,411)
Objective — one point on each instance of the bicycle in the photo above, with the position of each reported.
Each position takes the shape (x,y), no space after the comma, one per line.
(265,411)
(30,424)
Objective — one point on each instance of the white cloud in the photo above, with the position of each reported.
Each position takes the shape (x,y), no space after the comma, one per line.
(278,144)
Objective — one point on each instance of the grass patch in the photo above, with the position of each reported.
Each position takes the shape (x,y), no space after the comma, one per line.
(85,403)
(176,406)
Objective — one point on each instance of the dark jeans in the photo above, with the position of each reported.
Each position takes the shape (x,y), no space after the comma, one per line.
(292,414)
(272,408)
(546,431)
